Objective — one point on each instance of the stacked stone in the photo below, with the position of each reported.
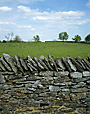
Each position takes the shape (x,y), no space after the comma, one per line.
(37,86)
(21,65)
(45,92)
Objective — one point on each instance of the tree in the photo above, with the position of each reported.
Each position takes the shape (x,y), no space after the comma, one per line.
(17,39)
(77,38)
(4,41)
(8,36)
(63,36)
(87,38)
(36,38)
(12,35)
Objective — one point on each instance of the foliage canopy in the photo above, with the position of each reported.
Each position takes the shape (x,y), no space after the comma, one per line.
(63,36)
(36,38)
(17,39)
(77,38)
(87,38)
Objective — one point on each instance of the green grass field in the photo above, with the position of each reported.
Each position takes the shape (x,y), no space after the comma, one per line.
(55,49)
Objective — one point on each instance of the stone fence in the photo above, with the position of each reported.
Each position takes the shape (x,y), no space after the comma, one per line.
(44,86)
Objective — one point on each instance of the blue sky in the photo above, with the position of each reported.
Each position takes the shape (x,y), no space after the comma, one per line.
(46,18)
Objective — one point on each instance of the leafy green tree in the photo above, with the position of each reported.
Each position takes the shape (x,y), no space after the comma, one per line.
(4,41)
(17,39)
(77,38)
(87,38)
(36,38)
(63,36)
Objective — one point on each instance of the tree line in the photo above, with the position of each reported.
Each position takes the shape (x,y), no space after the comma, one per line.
(9,38)
(62,36)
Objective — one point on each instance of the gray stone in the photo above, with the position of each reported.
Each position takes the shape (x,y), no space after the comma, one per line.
(54,88)
(78,66)
(47,63)
(30,67)
(62,73)
(60,64)
(42,57)
(65,90)
(80,62)
(52,63)
(49,78)
(76,75)
(31,62)
(77,80)
(79,90)
(10,61)
(86,74)
(81,84)
(59,84)
(9,73)
(23,64)
(43,64)
(88,82)
(2,80)
(85,64)
(31,89)
(72,66)
(5,64)
(38,63)
(66,64)
(46,73)
(18,63)
(2,67)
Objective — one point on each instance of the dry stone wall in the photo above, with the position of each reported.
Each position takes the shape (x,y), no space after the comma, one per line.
(44,86)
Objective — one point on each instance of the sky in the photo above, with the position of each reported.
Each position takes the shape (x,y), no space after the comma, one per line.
(46,18)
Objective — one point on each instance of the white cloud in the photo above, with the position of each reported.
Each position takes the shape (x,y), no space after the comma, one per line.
(53,17)
(28,11)
(5,8)
(24,9)
(24,26)
(7,23)
(57,17)
(50,16)
(88,4)
(40,18)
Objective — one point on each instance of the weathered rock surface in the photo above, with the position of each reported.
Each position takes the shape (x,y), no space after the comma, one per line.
(37,62)
(76,75)
(5,64)
(38,87)
(1,66)
(10,61)
(19,64)
(60,64)
(23,64)
(45,92)
(2,80)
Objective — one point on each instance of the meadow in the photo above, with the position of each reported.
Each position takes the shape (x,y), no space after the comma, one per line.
(55,49)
